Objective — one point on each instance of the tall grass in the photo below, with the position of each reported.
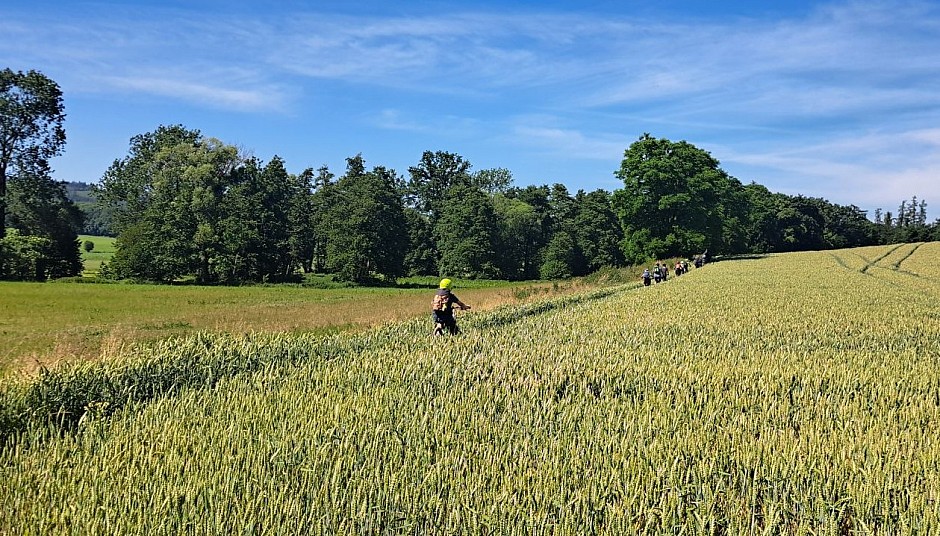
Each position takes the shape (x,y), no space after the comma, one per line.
(793,394)
(44,325)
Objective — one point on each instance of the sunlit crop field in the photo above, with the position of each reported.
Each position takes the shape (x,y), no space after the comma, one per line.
(792,394)
(46,324)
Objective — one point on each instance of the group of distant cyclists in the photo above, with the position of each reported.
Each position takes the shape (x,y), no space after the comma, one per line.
(445,301)
(660,272)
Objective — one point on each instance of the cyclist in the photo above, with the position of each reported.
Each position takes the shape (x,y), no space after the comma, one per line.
(442,309)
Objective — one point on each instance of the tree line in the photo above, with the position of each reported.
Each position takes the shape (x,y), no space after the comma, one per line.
(183,205)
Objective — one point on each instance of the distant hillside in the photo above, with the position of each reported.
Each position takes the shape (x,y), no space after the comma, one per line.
(97,218)
(79,192)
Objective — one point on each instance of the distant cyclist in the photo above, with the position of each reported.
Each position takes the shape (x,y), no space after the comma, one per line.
(442,309)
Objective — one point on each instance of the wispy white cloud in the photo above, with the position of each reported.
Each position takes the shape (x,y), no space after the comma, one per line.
(180,58)
(390,119)
(840,51)
(840,100)
(223,96)
(426,125)
(870,169)
(573,143)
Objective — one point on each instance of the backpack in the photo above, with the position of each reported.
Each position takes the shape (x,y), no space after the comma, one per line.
(441,302)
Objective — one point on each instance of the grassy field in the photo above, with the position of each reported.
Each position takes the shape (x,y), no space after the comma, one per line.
(791,394)
(102,252)
(44,324)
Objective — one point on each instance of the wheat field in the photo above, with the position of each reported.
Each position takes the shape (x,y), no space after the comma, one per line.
(789,394)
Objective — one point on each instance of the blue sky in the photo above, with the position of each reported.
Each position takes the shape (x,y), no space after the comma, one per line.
(831,99)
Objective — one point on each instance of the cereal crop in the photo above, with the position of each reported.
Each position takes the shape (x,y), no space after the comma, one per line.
(789,394)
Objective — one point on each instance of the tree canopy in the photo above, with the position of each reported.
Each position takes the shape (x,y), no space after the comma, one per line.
(46,221)
(31,131)
(189,206)
(673,201)
(186,206)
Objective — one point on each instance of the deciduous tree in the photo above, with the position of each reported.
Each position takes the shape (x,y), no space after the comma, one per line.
(597,231)
(368,233)
(31,131)
(39,206)
(673,199)
(432,178)
(467,234)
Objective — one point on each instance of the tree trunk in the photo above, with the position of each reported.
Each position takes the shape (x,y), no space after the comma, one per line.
(3,202)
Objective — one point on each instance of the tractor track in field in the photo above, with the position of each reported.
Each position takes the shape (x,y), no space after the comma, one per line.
(893,267)
(897,265)
(841,262)
(874,262)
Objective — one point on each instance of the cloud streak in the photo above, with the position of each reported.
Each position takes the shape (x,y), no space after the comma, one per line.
(840,52)
(843,97)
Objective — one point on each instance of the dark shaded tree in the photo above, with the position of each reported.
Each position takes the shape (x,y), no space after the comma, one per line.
(421,258)
(322,199)
(519,236)
(467,234)
(561,258)
(301,219)
(39,206)
(846,226)
(253,224)
(562,209)
(597,231)
(538,198)
(368,233)
(800,224)
(762,227)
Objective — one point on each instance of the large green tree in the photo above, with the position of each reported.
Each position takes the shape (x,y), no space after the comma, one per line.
(177,229)
(31,131)
(434,175)
(467,234)
(673,200)
(38,206)
(127,187)
(173,195)
(368,235)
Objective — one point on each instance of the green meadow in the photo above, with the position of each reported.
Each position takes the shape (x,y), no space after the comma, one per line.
(45,324)
(102,252)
